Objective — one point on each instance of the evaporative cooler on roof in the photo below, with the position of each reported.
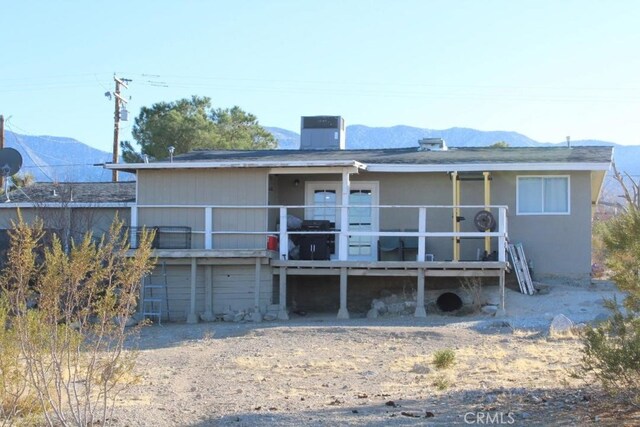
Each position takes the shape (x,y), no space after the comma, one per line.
(322,133)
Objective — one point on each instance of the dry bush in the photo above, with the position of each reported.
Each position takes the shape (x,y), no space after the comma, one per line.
(473,287)
(69,349)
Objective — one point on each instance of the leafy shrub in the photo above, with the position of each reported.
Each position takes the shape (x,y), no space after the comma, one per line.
(443,359)
(64,319)
(611,351)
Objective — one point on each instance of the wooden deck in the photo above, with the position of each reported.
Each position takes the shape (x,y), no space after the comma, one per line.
(392,268)
(283,268)
(418,269)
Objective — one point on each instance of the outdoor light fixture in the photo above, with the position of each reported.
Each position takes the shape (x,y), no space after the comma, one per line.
(171,149)
(296,182)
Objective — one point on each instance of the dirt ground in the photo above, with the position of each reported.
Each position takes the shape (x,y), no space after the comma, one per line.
(318,371)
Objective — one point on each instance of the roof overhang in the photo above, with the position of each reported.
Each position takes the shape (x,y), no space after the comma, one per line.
(489,167)
(133,167)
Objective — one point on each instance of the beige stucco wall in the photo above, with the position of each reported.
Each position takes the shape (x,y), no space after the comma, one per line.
(207,187)
(559,246)
(233,288)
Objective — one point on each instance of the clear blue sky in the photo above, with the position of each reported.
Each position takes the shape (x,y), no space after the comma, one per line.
(546,69)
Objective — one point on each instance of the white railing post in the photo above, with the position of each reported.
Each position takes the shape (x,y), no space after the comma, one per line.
(502,240)
(422,228)
(208,227)
(284,239)
(343,254)
(133,224)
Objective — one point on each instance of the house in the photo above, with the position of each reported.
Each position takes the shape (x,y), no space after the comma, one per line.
(70,209)
(322,228)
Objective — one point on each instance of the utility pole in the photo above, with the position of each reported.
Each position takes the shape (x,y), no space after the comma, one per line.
(119,101)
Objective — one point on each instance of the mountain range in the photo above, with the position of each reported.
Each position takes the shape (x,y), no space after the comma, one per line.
(55,158)
(52,158)
(626,157)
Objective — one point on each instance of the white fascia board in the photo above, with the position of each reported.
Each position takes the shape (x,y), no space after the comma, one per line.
(58,205)
(236,165)
(314,170)
(489,167)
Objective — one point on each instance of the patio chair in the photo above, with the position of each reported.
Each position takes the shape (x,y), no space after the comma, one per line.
(390,245)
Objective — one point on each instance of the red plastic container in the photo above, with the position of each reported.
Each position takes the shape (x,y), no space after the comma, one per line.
(272,243)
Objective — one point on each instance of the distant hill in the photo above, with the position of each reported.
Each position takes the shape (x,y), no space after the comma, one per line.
(362,137)
(359,136)
(53,158)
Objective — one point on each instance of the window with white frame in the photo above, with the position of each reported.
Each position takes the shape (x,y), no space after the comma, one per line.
(543,195)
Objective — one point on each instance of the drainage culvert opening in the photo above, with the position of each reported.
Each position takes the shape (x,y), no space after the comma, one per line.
(449,301)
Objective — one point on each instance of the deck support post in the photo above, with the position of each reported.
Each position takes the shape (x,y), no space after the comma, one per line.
(192,317)
(282,313)
(420,311)
(257,316)
(208,316)
(501,309)
(343,313)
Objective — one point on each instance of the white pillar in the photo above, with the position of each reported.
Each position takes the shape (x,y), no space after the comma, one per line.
(344,217)
(257,316)
(422,227)
(502,240)
(420,311)
(284,239)
(282,313)
(343,313)
(191,317)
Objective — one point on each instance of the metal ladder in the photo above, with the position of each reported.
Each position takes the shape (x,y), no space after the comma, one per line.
(155,294)
(521,267)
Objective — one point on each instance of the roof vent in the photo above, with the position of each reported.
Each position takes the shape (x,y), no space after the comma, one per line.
(322,133)
(432,144)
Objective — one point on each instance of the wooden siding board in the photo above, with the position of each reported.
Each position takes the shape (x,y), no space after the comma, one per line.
(233,287)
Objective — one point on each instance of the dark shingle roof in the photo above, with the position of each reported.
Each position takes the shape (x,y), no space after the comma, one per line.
(79,192)
(411,156)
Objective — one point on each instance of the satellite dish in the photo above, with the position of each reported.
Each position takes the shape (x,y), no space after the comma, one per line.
(10,161)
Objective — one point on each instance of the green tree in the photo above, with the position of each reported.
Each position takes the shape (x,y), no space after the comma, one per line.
(191,124)
(500,144)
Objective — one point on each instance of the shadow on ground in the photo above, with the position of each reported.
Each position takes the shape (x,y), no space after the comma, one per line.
(503,406)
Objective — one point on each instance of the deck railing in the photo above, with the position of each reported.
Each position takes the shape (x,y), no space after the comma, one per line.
(272,220)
